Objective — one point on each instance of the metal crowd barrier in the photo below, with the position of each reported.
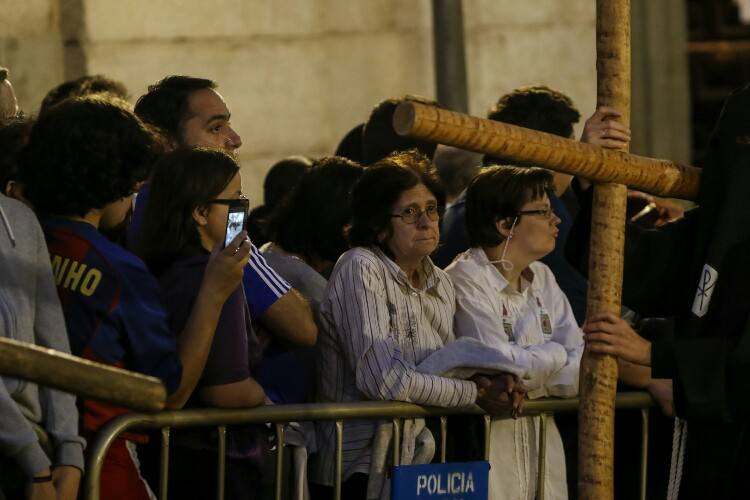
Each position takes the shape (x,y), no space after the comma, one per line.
(282,414)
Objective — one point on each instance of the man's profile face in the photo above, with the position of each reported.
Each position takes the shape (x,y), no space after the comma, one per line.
(207,123)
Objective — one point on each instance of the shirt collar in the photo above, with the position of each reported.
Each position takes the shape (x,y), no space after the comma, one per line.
(527,275)
(426,271)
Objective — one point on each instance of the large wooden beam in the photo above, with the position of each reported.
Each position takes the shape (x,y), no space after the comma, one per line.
(598,377)
(80,376)
(659,177)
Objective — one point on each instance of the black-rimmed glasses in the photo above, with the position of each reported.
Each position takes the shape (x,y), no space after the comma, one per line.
(546,213)
(242,200)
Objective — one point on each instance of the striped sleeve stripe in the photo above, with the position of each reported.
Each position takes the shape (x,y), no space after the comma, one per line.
(263,263)
(270,278)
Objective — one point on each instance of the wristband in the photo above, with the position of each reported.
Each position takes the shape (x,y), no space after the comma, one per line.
(42,479)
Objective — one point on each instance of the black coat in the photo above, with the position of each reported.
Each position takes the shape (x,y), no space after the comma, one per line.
(697,270)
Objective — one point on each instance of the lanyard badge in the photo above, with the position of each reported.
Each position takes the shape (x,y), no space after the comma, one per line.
(508,326)
(544,320)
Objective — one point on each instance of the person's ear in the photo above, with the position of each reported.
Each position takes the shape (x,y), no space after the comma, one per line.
(200,216)
(505,227)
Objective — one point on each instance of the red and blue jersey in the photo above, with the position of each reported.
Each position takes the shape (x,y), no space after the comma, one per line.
(112,309)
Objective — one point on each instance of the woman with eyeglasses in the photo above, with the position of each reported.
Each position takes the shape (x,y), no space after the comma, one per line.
(183,222)
(509,301)
(387,307)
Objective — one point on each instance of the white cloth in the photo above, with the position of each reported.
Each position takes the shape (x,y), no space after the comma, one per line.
(300,439)
(417,447)
(375,328)
(535,329)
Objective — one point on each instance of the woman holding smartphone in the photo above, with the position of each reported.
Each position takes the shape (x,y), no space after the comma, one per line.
(183,221)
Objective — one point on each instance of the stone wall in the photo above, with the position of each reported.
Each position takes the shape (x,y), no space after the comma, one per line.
(297,74)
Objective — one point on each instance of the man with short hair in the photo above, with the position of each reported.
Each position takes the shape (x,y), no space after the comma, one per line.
(190,112)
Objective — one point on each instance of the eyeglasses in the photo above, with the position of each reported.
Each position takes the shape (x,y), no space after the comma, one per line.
(242,200)
(411,215)
(545,213)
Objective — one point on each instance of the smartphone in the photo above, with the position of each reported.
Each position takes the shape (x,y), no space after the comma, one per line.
(235,221)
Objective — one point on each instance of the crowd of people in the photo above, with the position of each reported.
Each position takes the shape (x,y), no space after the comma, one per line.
(394,270)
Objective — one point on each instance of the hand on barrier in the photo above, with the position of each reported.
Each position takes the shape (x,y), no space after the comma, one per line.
(500,395)
(606,333)
(226,266)
(604,129)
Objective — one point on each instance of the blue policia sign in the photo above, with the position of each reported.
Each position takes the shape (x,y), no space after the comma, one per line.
(454,481)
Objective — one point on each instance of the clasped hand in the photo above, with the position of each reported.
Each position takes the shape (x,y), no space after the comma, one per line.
(500,394)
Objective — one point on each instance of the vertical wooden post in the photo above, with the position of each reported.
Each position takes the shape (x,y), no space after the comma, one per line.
(598,383)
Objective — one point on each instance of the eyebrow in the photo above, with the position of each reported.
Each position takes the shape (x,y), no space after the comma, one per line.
(417,205)
(218,118)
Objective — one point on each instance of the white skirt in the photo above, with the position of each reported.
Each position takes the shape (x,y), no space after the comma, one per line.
(514,446)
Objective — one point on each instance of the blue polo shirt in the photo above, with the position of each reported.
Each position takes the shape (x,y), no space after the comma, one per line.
(263,286)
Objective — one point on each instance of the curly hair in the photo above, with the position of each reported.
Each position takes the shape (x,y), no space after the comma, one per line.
(167,103)
(82,87)
(380,187)
(83,154)
(497,193)
(312,218)
(183,180)
(537,107)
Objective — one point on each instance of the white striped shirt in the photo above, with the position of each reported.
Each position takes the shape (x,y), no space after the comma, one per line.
(375,327)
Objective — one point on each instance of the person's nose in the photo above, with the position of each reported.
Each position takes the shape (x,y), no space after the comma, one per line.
(555,219)
(234,141)
(424,221)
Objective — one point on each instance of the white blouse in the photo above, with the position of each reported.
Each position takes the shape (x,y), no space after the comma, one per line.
(536,329)
(534,326)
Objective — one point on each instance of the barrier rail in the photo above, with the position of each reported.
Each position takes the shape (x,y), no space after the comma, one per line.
(339,412)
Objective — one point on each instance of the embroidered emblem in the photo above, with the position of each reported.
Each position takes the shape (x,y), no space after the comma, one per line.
(706,285)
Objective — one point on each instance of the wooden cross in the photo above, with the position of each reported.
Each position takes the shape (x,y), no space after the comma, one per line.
(612,171)
(80,376)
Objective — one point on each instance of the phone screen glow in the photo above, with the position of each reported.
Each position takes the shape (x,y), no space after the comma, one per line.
(235,224)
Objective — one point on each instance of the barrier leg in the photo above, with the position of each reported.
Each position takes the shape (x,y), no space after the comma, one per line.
(279,459)
(221,467)
(487,436)
(542,457)
(644,451)
(164,464)
(443,438)
(339,459)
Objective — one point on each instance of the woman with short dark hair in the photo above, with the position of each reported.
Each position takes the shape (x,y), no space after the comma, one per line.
(509,301)
(386,309)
